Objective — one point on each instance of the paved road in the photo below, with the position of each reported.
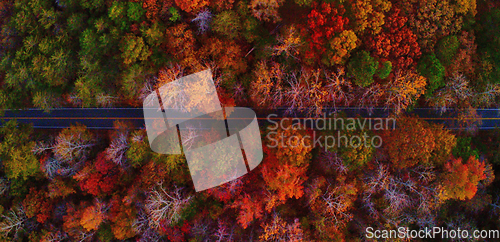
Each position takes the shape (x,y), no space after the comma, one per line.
(103,118)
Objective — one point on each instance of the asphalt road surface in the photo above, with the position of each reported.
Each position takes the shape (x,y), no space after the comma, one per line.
(103,118)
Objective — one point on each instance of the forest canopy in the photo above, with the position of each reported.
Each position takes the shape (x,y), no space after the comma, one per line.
(299,56)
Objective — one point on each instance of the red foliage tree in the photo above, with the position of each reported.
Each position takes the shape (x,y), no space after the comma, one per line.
(98,178)
(250,208)
(38,204)
(323,22)
(396,42)
(227,191)
(176,233)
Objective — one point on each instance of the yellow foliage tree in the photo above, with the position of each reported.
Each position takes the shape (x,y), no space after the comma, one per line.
(288,42)
(405,88)
(279,230)
(465,6)
(341,47)
(369,15)
(445,142)
(268,79)
(134,49)
(73,144)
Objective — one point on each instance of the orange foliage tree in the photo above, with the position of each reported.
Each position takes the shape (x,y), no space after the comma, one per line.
(250,208)
(417,142)
(331,205)
(152,8)
(279,230)
(460,180)
(300,90)
(180,43)
(71,220)
(60,188)
(285,165)
(93,216)
(268,79)
(191,5)
(396,42)
(288,42)
(83,220)
(465,58)
(122,216)
(227,55)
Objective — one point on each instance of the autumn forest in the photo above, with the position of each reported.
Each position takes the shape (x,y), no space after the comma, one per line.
(297,56)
